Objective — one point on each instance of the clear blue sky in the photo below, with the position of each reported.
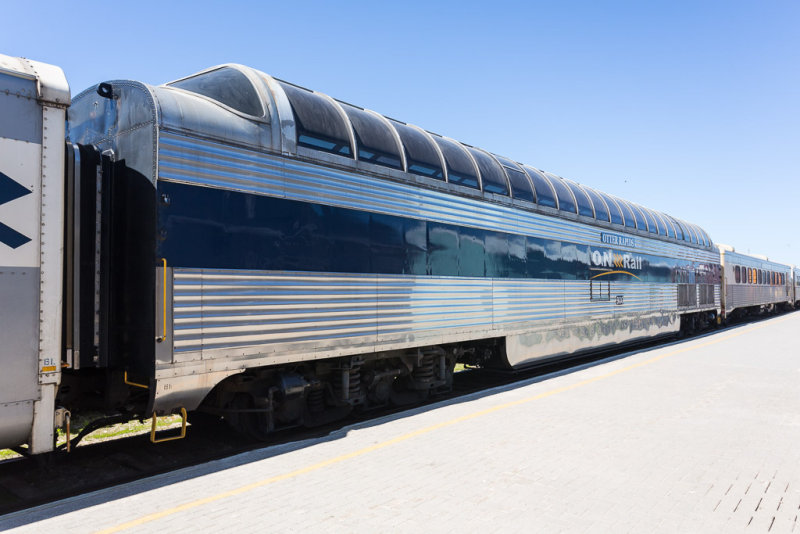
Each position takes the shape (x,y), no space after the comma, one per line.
(688,107)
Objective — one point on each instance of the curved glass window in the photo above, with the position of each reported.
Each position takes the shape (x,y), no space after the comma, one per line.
(652,225)
(545,195)
(600,208)
(699,234)
(613,209)
(630,221)
(319,124)
(565,200)
(521,187)
(688,232)
(692,233)
(584,203)
(637,215)
(460,169)
(706,239)
(422,157)
(760,275)
(375,142)
(493,177)
(737,274)
(680,234)
(227,86)
(667,223)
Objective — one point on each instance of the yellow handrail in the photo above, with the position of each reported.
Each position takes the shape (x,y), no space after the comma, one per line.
(128,382)
(164,302)
(183,429)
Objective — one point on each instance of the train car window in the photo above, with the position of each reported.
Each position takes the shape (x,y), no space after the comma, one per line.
(493,177)
(695,233)
(584,202)
(375,142)
(422,157)
(460,169)
(319,124)
(630,221)
(678,229)
(688,230)
(613,209)
(227,86)
(545,194)
(737,272)
(706,239)
(600,207)
(566,202)
(521,187)
(652,227)
(760,276)
(663,220)
(639,216)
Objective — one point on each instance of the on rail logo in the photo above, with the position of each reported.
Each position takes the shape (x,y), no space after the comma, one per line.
(609,258)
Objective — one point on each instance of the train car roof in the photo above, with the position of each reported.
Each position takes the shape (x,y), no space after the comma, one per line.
(298,121)
(51,84)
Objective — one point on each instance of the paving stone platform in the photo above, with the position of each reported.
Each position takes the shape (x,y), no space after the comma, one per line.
(694,436)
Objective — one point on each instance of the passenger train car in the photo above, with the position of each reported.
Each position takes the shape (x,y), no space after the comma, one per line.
(234,244)
(753,282)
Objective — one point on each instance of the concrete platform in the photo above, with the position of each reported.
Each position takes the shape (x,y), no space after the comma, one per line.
(698,436)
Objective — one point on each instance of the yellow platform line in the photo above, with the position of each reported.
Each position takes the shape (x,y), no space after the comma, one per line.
(426,430)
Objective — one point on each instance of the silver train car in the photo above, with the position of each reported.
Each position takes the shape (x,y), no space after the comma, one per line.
(241,246)
(752,283)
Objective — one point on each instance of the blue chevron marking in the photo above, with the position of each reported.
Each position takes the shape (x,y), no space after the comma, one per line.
(11,237)
(11,190)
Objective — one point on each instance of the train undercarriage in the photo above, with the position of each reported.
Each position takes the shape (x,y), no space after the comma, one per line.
(263,400)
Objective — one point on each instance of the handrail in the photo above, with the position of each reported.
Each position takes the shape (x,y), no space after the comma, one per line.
(135,384)
(153,439)
(164,303)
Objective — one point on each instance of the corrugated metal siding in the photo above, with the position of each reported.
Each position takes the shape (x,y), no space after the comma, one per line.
(189,160)
(744,295)
(230,309)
